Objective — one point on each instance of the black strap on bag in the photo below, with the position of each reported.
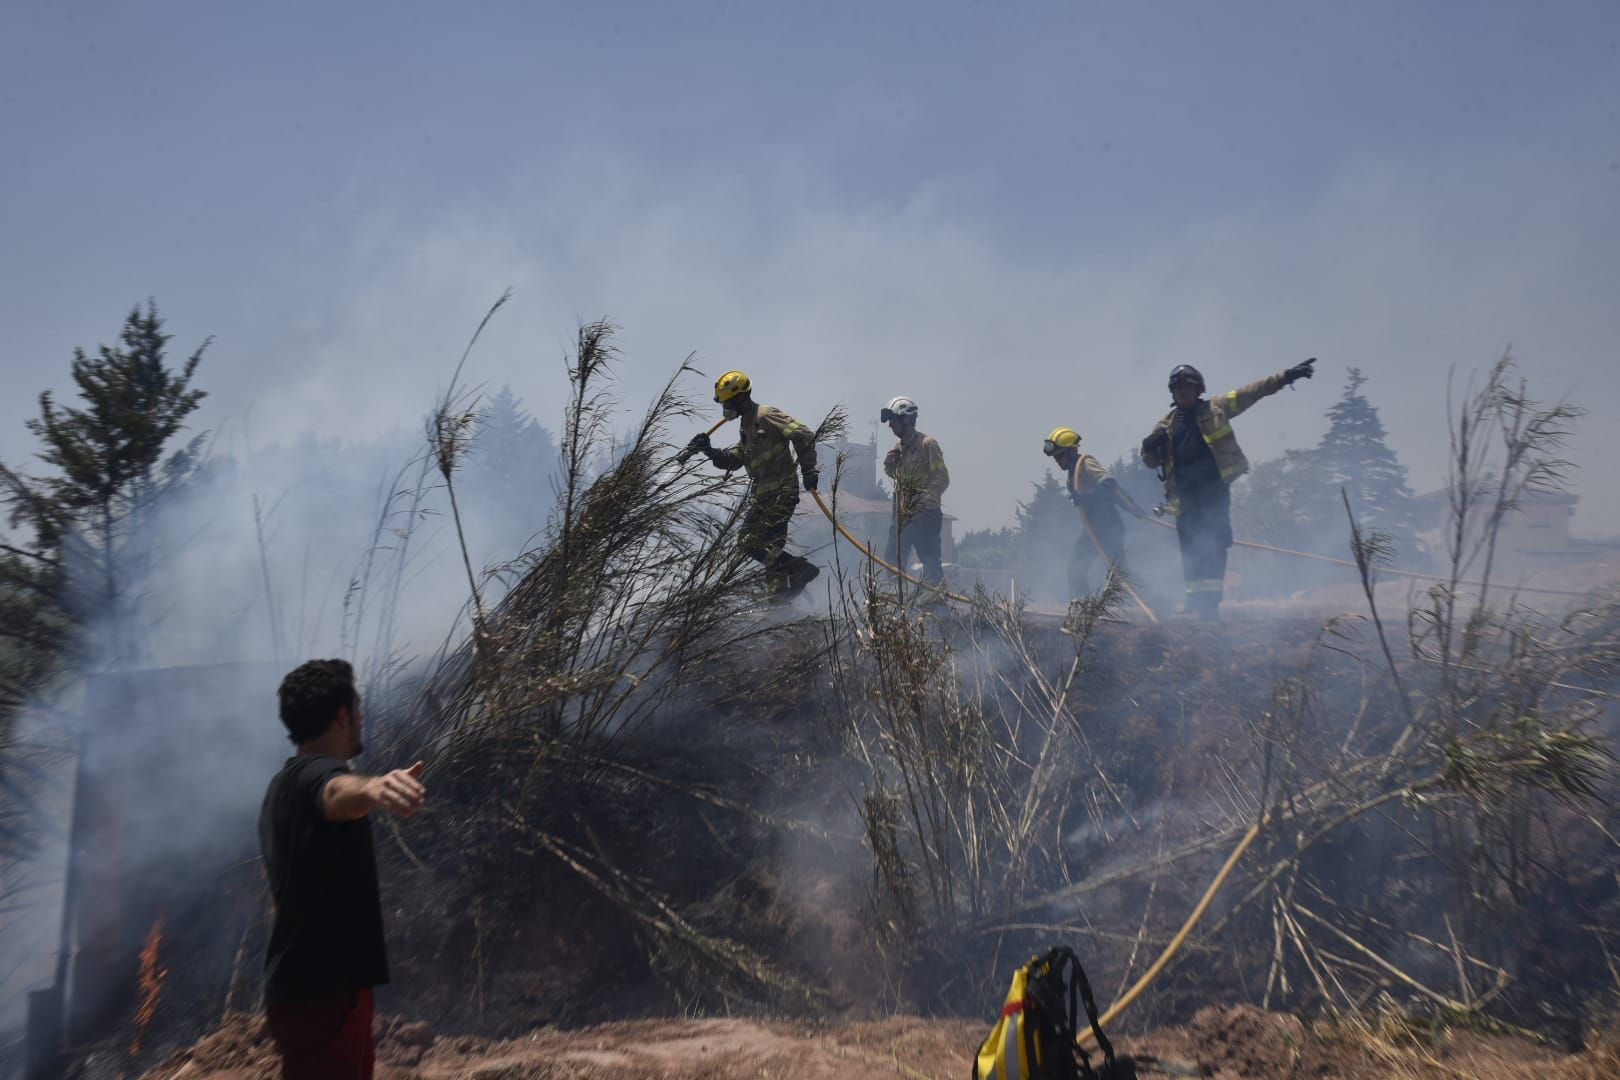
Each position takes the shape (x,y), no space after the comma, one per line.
(1059,970)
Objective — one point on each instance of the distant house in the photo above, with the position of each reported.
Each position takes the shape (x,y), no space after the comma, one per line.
(1534,536)
(862,504)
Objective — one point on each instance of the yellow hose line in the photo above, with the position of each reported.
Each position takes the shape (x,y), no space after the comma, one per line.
(1176,942)
(1174,947)
(1256,545)
(1085,520)
(886,564)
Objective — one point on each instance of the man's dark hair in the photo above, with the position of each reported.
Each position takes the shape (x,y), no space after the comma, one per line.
(311,695)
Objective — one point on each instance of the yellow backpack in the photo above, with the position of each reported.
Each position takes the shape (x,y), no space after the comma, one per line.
(1034,1038)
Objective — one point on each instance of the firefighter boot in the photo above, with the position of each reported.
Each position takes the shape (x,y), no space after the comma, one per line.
(801,573)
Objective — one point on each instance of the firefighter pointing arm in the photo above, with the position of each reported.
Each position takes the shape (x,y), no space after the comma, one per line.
(1198,455)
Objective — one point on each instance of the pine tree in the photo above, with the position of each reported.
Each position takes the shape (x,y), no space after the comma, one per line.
(1354,456)
(112,461)
(1042,538)
(509,474)
(1286,501)
(1035,549)
(985,549)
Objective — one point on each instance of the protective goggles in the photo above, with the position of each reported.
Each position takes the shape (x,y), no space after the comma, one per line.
(1052,449)
(889,416)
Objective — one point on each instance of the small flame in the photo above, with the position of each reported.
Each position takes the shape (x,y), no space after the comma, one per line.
(151,984)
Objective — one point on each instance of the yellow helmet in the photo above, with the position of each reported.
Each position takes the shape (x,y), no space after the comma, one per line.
(730,385)
(1062,438)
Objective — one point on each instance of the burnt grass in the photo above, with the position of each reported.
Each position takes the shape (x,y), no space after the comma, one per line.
(751,834)
(713,861)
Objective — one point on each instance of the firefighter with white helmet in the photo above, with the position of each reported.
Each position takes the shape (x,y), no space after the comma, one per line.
(917,467)
(770,440)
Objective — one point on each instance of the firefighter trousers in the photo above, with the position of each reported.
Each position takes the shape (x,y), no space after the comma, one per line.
(765,532)
(1088,569)
(1204,528)
(921,533)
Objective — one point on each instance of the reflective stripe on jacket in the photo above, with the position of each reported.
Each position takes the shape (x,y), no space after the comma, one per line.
(921,462)
(764,452)
(1215,422)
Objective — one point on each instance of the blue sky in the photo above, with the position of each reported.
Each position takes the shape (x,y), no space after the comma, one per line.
(1022,215)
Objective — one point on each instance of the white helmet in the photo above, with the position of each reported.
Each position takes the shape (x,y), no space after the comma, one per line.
(899,409)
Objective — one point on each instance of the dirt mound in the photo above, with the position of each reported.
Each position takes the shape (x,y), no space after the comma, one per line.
(649,1049)
(1243,1041)
(240,1048)
(1223,1043)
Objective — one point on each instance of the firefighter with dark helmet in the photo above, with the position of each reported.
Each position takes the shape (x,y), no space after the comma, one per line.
(916,464)
(1101,540)
(1198,457)
(770,441)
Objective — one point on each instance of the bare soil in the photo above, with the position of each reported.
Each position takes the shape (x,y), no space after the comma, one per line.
(1220,1042)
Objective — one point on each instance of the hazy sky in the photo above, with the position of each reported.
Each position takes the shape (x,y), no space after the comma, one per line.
(1020,214)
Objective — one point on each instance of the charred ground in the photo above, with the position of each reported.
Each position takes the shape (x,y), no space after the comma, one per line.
(654,796)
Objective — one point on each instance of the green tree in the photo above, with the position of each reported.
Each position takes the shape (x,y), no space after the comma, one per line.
(1036,549)
(1353,455)
(509,477)
(1287,501)
(112,460)
(985,549)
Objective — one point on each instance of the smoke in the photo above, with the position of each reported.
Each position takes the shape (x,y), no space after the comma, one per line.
(1405,270)
(270,554)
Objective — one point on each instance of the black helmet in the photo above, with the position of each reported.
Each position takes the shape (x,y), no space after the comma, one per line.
(1186,373)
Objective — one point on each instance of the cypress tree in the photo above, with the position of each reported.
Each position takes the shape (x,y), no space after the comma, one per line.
(1355,456)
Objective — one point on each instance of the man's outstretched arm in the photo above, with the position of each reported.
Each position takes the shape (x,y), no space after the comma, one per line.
(1239,400)
(350,797)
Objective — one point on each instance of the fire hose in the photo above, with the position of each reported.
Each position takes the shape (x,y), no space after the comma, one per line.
(862,547)
(1248,838)
(1180,939)
(1415,575)
(1256,545)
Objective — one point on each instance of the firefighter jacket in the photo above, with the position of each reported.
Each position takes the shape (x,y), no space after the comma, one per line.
(764,452)
(1215,422)
(1085,478)
(917,465)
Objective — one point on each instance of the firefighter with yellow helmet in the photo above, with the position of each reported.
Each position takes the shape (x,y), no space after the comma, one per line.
(916,464)
(1198,457)
(770,446)
(1098,497)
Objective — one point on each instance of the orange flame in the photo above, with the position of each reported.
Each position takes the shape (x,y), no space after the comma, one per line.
(151,984)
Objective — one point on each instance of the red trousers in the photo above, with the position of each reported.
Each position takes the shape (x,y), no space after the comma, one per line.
(324,1039)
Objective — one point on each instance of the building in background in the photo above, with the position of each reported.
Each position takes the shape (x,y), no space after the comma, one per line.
(1535,536)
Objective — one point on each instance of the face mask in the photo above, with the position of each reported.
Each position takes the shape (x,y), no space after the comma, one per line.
(729,411)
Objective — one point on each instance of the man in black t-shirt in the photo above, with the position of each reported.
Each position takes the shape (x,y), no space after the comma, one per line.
(326,947)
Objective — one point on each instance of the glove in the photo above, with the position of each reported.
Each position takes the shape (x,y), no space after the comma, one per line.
(1299,371)
(1157,443)
(811,479)
(700,441)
